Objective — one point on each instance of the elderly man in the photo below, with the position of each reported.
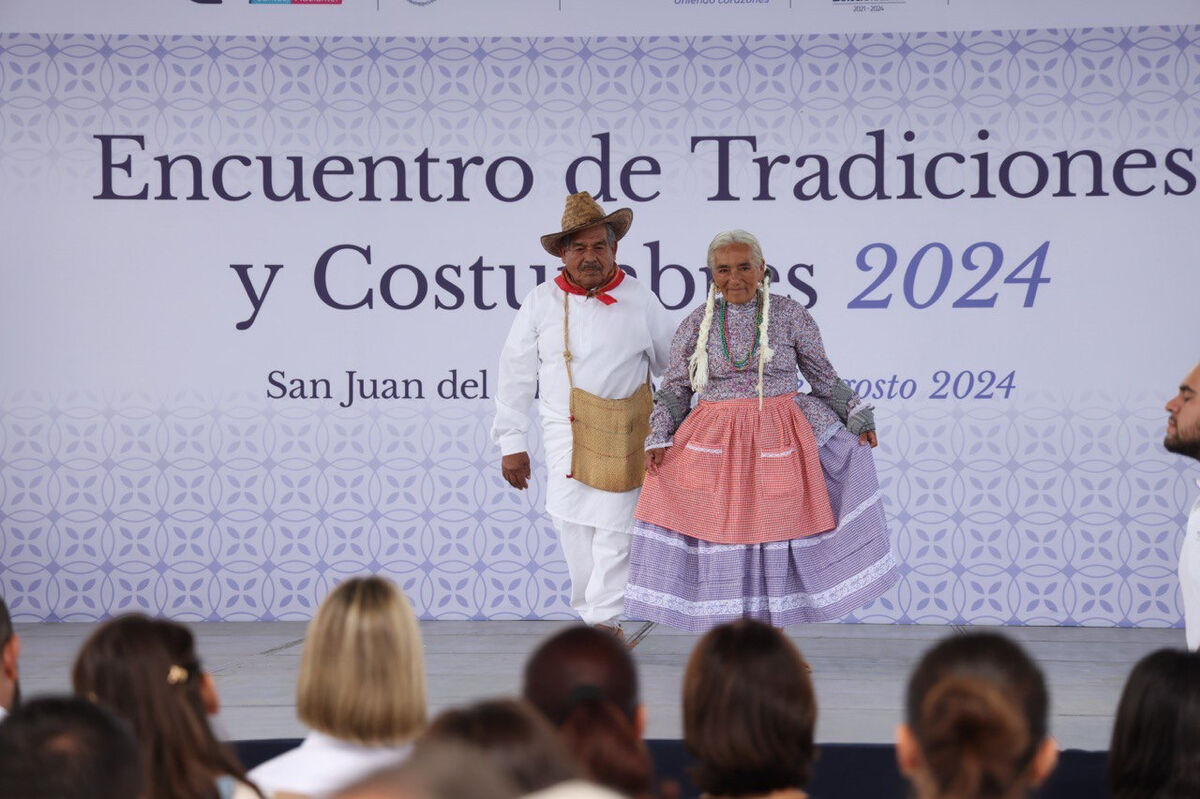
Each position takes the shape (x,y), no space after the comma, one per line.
(1183,438)
(10,651)
(587,342)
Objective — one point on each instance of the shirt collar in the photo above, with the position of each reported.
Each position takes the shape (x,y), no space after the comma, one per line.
(564,283)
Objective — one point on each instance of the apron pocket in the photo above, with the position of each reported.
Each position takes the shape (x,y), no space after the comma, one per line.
(696,466)
(778,471)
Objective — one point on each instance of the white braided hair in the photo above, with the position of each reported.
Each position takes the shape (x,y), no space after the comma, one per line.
(764,347)
(698,363)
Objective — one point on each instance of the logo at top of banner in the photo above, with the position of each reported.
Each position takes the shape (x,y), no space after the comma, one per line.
(314,2)
(868,5)
(277,2)
(722,2)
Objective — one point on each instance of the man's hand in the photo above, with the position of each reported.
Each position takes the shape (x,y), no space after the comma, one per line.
(868,438)
(515,468)
(654,459)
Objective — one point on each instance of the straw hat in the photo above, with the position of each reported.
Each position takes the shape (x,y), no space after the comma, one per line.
(582,212)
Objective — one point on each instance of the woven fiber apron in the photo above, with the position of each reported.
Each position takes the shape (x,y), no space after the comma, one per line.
(608,435)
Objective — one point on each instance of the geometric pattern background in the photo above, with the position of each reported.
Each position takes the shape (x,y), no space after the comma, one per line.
(545,97)
(1046,510)
(1053,512)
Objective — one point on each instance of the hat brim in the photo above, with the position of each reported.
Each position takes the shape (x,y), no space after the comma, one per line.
(620,220)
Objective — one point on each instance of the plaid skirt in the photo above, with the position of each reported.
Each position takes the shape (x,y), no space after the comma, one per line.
(693,584)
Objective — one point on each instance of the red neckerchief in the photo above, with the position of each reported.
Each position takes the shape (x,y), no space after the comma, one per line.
(564,283)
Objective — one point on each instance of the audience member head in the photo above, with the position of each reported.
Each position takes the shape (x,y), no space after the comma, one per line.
(975,727)
(513,735)
(584,681)
(147,672)
(748,711)
(1155,749)
(362,674)
(445,770)
(10,652)
(68,748)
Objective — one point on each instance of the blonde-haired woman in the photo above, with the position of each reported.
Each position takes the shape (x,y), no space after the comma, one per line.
(760,502)
(361,691)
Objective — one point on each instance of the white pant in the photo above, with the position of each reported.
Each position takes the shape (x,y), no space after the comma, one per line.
(598,564)
(1189,586)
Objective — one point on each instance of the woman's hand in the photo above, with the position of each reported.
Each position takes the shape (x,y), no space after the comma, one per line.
(654,459)
(868,438)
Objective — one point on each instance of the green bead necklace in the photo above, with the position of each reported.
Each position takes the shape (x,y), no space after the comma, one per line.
(745,362)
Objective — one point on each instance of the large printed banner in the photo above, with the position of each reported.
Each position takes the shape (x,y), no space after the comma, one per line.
(253,289)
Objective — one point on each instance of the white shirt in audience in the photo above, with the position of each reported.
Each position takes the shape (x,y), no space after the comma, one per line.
(1189,577)
(574,789)
(3,713)
(323,765)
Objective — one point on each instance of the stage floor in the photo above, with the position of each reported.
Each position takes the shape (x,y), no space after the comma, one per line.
(859,671)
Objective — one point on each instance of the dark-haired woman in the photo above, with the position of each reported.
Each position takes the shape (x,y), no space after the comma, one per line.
(975,721)
(513,735)
(147,671)
(1155,750)
(748,713)
(584,681)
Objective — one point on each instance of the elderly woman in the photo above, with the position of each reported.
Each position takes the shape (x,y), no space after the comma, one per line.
(760,502)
